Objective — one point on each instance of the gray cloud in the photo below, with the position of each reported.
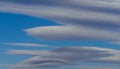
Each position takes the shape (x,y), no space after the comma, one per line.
(39,62)
(97,15)
(72,56)
(28,52)
(80,20)
(115,42)
(97,67)
(5,65)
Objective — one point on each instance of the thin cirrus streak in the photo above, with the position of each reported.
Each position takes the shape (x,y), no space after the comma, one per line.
(24,44)
(28,52)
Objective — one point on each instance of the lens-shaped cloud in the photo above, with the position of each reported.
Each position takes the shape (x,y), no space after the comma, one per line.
(100,15)
(72,56)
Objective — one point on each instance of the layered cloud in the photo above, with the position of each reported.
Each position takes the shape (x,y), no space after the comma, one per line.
(79,20)
(93,17)
(70,56)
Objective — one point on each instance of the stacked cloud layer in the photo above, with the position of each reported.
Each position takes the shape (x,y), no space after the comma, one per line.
(87,20)
(70,56)
(80,20)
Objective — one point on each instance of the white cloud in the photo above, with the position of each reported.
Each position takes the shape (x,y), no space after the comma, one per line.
(72,32)
(26,44)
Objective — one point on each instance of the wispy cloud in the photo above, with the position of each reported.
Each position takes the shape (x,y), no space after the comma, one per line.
(5,65)
(12,66)
(115,42)
(25,44)
(28,52)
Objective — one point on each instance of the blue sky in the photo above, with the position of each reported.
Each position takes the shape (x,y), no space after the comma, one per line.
(37,34)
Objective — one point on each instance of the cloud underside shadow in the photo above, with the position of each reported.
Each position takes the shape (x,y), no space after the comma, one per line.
(71,56)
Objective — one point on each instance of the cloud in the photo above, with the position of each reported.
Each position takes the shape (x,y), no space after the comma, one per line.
(72,32)
(97,67)
(43,63)
(5,65)
(76,66)
(115,42)
(97,17)
(26,44)
(70,56)
(92,54)
(28,52)
(80,20)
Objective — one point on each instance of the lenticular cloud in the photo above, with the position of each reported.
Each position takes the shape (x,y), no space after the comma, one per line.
(70,56)
(97,14)
(93,16)
(79,20)
(94,19)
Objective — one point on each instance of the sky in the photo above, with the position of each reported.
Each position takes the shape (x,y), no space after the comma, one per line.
(59,34)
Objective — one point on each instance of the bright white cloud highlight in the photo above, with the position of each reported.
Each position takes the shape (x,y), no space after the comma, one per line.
(26,44)
(72,32)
